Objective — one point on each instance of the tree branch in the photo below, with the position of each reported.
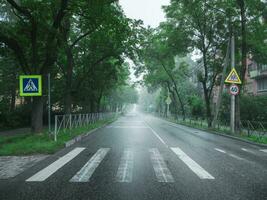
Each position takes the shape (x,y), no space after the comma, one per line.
(18,51)
(50,57)
(20,9)
(81,37)
(95,63)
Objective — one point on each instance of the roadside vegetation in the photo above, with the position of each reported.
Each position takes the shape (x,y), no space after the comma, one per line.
(82,44)
(221,129)
(43,143)
(185,56)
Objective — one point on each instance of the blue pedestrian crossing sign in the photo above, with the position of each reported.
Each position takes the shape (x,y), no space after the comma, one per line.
(30,85)
(233,77)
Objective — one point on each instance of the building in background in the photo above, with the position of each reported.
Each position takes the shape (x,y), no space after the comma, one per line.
(256,79)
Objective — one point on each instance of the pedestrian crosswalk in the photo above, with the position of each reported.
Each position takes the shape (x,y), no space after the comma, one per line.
(88,169)
(196,168)
(125,170)
(52,168)
(161,170)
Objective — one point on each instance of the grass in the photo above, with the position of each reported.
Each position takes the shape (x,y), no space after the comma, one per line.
(225,131)
(254,138)
(29,144)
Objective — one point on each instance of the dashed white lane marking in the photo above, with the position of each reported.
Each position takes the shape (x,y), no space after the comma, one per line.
(229,154)
(264,150)
(128,121)
(196,168)
(155,133)
(220,150)
(125,170)
(88,169)
(235,156)
(128,127)
(247,150)
(162,141)
(163,174)
(52,168)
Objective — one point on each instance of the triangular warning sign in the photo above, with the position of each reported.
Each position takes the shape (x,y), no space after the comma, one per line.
(30,87)
(233,77)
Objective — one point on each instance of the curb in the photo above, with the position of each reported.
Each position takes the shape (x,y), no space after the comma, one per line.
(237,138)
(223,135)
(80,137)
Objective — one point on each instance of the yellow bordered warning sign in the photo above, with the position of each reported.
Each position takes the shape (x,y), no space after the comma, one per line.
(233,77)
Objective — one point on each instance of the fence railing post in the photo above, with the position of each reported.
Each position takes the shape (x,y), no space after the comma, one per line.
(70,116)
(55,133)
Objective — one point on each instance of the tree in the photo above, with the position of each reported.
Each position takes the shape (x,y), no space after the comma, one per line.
(157,62)
(202,31)
(36,26)
(82,44)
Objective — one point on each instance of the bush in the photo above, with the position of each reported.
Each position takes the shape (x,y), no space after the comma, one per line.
(253,108)
(16,119)
(196,105)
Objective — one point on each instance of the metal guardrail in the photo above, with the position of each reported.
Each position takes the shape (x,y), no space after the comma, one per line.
(71,121)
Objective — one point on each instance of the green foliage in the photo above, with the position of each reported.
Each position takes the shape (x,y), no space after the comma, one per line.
(196,106)
(28,144)
(82,44)
(253,108)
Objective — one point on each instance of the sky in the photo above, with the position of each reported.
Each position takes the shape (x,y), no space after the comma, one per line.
(147,10)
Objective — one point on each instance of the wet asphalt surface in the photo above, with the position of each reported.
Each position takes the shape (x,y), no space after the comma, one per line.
(239,169)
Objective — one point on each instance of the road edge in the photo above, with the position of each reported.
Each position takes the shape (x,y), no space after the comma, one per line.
(80,137)
(220,134)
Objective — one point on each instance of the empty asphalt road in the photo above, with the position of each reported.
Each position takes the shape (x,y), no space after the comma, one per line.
(141,157)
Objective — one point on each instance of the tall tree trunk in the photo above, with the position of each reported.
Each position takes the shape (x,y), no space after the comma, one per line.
(68,87)
(13,94)
(174,99)
(37,115)
(92,105)
(175,89)
(207,102)
(99,102)
(242,72)
(218,103)
(13,100)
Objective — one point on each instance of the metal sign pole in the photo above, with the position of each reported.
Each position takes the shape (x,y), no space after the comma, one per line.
(232,96)
(49,104)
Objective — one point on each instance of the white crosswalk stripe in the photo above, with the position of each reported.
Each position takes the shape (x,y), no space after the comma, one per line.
(52,168)
(125,170)
(163,174)
(88,169)
(196,168)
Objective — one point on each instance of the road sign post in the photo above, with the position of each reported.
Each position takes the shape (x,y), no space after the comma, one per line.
(233,79)
(49,103)
(232,96)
